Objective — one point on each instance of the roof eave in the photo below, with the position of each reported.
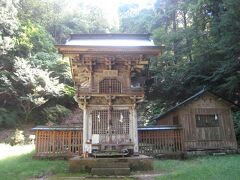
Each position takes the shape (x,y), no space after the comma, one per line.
(200,93)
(76,49)
(112,35)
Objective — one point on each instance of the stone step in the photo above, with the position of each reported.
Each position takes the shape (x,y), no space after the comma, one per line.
(219,154)
(110,171)
(109,154)
(111,165)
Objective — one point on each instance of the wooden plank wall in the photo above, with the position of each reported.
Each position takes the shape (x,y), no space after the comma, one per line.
(153,142)
(204,138)
(54,143)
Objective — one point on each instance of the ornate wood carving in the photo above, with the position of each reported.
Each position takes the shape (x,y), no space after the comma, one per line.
(98,101)
(122,100)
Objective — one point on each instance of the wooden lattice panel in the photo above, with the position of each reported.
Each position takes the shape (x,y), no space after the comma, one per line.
(58,143)
(120,121)
(99,122)
(109,86)
(155,142)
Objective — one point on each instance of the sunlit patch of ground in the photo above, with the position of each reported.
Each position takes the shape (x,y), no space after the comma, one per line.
(8,151)
(16,163)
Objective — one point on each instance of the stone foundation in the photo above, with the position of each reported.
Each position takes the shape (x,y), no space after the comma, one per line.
(136,163)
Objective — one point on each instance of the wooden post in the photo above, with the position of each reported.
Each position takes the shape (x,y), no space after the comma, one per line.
(53,143)
(69,143)
(135,131)
(85,127)
(37,142)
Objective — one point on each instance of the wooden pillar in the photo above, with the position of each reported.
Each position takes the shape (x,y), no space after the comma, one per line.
(89,124)
(110,123)
(134,129)
(91,76)
(85,127)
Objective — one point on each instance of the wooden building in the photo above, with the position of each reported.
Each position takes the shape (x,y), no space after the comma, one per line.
(109,72)
(206,121)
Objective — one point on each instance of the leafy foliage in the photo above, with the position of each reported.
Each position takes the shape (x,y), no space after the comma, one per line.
(56,114)
(8,25)
(135,20)
(53,62)
(30,86)
(8,117)
(62,22)
(200,51)
(18,138)
(31,38)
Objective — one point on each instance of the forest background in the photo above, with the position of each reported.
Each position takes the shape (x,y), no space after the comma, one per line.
(202,51)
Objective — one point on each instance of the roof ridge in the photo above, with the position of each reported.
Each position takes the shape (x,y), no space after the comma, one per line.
(189,99)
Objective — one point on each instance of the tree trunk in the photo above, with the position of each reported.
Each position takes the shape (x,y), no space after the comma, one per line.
(174,20)
(188,41)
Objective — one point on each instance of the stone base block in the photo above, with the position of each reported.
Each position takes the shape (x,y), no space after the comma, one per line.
(135,163)
(110,171)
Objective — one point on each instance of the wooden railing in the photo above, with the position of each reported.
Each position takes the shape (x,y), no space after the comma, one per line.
(125,91)
(58,142)
(164,140)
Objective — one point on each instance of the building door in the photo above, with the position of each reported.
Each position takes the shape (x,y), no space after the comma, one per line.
(110,127)
(209,129)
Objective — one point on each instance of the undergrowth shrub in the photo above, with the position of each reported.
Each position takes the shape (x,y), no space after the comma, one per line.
(18,138)
(8,118)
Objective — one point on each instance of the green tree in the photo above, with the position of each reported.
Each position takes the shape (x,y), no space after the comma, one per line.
(134,20)
(31,86)
(201,51)
(8,25)
(32,39)
(56,64)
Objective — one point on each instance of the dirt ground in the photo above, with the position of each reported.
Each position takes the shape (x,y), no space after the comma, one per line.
(147,176)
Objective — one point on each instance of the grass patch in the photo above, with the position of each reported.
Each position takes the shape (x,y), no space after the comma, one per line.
(17,163)
(23,167)
(208,167)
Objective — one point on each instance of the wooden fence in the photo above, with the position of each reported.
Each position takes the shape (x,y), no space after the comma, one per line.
(67,142)
(58,142)
(161,140)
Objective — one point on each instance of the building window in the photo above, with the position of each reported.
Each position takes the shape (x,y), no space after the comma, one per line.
(110,86)
(207,120)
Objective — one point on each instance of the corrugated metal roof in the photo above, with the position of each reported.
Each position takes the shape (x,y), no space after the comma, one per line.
(74,128)
(110,44)
(152,128)
(110,40)
(57,128)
